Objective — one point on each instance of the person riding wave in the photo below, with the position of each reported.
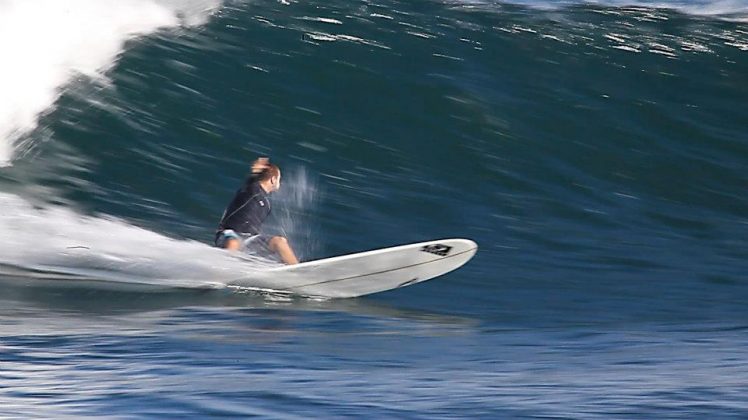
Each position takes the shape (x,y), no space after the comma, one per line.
(247,211)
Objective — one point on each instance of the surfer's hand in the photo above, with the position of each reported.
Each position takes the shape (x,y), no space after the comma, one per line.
(260,165)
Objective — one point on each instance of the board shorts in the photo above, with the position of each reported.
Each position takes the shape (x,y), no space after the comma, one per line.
(252,244)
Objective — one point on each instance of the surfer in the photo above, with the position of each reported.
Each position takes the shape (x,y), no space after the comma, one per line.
(242,219)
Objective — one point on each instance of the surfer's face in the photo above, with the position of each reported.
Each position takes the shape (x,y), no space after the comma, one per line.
(275,182)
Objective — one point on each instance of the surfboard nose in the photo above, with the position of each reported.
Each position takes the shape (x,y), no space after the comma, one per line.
(461,244)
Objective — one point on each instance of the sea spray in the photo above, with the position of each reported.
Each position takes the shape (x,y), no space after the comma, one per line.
(291,212)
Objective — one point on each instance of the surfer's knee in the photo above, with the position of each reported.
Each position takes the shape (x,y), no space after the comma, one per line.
(232,244)
(277,241)
(280,245)
(228,239)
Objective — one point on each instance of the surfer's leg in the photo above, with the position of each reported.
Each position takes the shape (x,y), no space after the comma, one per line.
(279,245)
(228,239)
(232,245)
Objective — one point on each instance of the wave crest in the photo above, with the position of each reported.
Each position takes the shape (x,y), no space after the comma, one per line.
(47,43)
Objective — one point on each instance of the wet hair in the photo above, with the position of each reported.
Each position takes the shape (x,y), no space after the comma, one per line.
(269,172)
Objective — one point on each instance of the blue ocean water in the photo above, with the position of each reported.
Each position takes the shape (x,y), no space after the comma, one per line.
(595,151)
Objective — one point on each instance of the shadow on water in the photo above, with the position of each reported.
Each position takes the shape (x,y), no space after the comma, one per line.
(92,298)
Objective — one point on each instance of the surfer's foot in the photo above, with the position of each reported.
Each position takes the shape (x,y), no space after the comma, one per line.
(280,246)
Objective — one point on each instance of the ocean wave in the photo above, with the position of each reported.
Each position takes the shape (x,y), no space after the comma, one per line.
(46,44)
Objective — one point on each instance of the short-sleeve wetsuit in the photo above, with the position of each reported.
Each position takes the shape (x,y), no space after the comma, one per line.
(246,212)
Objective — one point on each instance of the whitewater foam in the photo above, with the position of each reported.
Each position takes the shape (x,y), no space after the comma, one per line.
(59,240)
(46,44)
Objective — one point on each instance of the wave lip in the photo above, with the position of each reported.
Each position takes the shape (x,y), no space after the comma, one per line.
(719,8)
(45,44)
(726,9)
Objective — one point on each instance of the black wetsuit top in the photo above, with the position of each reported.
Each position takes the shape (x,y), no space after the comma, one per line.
(248,210)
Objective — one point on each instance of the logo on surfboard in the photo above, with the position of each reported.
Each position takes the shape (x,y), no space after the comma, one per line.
(437,249)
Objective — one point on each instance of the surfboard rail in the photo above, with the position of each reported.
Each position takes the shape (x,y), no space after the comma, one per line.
(367,272)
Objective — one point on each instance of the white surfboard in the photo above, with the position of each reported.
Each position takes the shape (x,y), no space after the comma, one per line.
(366,272)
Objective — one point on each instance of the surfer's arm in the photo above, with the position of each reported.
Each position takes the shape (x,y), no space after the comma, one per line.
(260,165)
